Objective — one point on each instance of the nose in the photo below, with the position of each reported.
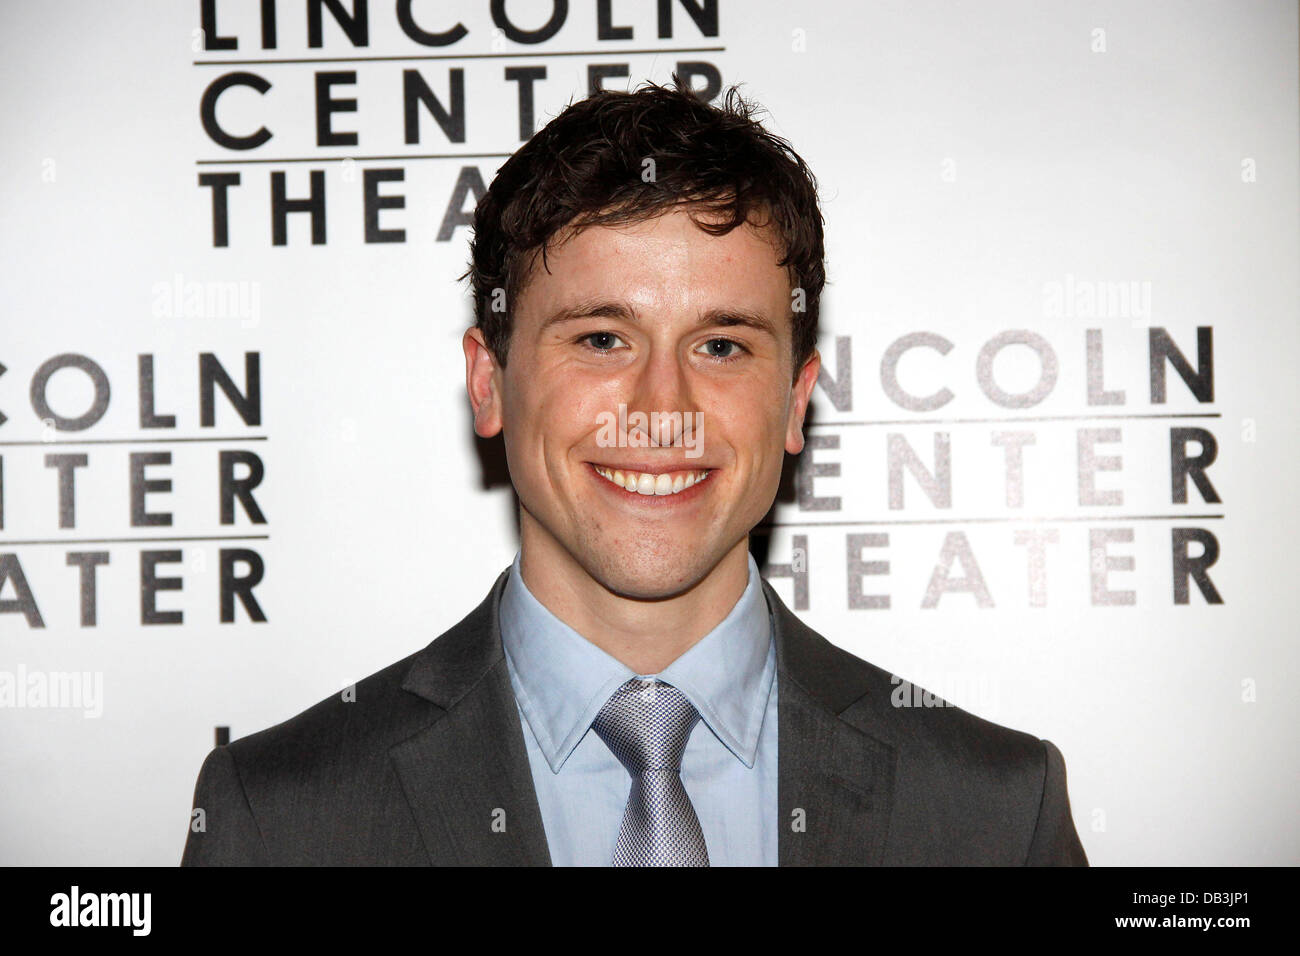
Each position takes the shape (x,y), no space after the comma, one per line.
(661,385)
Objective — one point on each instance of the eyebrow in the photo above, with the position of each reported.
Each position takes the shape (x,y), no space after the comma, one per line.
(609,309)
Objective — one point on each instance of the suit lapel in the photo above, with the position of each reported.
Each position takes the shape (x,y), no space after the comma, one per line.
(469,785)
(467,777)
(835,780)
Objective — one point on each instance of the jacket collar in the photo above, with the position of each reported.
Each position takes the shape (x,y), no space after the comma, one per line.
(466,776)
(469,784)
(835,780)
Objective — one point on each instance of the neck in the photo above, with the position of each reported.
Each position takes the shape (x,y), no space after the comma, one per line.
(644,634)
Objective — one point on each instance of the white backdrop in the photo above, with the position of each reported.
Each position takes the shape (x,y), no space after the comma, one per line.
(1002,172)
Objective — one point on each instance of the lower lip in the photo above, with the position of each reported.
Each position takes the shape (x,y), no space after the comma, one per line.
(685,496)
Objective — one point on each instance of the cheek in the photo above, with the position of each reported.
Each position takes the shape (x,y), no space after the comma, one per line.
(524,422)
(552,411)
(753,423)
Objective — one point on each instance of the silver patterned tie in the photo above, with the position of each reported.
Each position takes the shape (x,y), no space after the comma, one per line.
(646,724)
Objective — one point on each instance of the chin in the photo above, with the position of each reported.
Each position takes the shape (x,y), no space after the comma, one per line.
(650,578)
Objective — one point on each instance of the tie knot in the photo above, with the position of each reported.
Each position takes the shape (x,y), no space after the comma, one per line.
(645,724)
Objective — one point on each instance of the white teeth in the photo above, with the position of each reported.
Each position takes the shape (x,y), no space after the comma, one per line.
(669,483)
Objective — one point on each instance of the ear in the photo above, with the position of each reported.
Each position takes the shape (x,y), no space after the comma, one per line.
(801,394)
(482,382)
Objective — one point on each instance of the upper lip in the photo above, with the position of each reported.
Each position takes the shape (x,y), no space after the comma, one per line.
(653,468)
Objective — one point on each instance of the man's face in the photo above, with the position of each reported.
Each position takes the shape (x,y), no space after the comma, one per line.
(658,317)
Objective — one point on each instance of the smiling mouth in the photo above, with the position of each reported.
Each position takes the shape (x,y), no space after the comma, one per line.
(644,483)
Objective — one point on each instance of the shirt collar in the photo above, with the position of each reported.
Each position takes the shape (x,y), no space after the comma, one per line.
(561,680)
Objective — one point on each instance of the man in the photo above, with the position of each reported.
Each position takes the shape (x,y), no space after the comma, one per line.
(647,271)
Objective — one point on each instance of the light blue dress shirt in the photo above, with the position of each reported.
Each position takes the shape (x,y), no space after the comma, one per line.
(561,680)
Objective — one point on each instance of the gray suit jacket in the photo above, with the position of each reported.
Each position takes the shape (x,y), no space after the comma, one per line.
(428,766)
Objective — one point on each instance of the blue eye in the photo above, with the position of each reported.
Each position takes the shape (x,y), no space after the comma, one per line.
(721,348)
(602,341)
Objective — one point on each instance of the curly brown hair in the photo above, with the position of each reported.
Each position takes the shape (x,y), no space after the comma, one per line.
(585,168)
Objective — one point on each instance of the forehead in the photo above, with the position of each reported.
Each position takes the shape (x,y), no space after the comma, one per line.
(666,261)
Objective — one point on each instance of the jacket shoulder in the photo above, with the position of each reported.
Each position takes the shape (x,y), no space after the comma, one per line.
(964,788)
(891,708)
(321,787)
(365,718)
(914,718)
